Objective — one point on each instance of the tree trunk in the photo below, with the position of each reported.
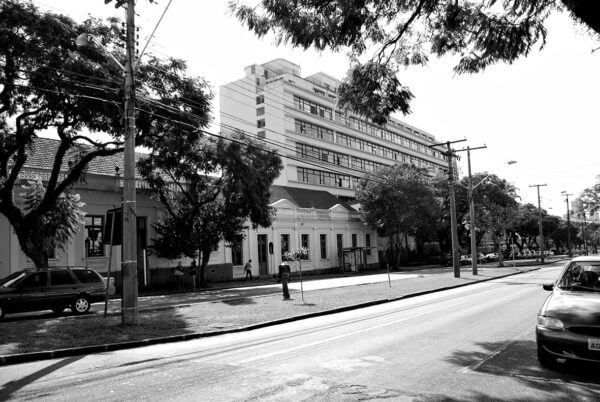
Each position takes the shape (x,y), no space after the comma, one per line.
(33,249)
(205,258)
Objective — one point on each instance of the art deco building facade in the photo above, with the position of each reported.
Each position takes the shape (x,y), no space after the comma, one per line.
(323,147)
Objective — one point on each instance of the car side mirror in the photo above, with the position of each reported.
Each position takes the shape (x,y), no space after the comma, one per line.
(548,286)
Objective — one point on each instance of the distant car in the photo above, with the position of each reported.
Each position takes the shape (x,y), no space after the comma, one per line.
(568,324)
(490,257)
(465,260)
(51,289)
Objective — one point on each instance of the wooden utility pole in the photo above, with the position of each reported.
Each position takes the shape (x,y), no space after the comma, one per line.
(565,194)
(541,228)
(130,311)
(472,230)
(453,225)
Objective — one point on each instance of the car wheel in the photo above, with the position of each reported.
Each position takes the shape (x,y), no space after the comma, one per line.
(58,310)
(1,312)
(545,358)
(81,305)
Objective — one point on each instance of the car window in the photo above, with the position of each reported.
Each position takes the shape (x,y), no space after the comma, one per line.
(581,276)
(35,280)
(61,278)
(87,276)
(10,279)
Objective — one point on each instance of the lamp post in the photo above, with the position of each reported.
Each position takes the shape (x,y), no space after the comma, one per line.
(472,210)
(569,253)
(541,229)
(129,307)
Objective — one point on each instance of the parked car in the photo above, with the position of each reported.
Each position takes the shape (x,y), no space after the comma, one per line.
(51,289)
(490,257)
(568,324)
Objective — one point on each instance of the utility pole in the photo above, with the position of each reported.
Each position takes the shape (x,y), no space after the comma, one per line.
(130,311)
(585,247)
(570,254)
(453,225)
(540,219)
(472,231)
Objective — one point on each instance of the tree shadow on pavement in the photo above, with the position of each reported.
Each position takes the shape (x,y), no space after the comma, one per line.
(518,360)
(238,301)
(11,387)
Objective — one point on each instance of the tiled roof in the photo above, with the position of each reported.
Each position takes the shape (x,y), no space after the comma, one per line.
(44,151)
(305,198)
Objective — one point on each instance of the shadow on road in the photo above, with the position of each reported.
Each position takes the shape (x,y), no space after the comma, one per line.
(518,359)
(13,386)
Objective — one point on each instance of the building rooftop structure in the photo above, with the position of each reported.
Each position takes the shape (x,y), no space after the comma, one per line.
(323,147)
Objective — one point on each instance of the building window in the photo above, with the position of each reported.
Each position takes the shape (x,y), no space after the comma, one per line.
(368,243)
(260,111)
(323,242)
(260,99)
(340,244)
(305,243)
(260,123)
(237,255)
(261,134)
(354,240)
(285,244)
(93,236)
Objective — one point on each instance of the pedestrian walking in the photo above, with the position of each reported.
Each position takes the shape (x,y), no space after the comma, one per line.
(179,274)
(248,269)
(193,271)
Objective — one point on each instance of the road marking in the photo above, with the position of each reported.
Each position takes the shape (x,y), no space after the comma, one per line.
(359,331)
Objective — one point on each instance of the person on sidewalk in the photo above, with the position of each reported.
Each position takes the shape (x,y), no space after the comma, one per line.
(192,272)
(248,269)
(179,274)
(284,276)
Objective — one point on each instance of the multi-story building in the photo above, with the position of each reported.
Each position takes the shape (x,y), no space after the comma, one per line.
(323,147)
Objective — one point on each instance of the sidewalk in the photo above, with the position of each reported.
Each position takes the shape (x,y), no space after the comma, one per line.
(182,316)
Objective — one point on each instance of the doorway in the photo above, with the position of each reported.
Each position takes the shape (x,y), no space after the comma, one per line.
(263,266)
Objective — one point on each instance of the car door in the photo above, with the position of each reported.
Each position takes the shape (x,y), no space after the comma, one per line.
(31,292)
(63,288)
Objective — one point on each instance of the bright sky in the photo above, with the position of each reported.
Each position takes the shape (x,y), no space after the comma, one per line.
(540,111)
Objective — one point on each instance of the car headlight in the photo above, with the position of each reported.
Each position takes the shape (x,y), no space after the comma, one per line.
(550,323)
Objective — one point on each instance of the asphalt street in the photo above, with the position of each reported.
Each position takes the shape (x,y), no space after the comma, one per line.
(471,343)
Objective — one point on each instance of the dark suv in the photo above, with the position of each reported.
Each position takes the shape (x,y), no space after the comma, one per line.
(51,289)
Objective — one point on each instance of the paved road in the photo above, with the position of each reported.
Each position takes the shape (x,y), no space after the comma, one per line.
(469,344)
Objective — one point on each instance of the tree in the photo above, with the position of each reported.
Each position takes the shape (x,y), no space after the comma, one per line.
(496,208)
(405,33)
(48,83)
(55,226)
(590,198)
(398,201)
(210,188)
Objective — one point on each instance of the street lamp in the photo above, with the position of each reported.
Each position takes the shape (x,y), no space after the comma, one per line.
(565,194)
(130,310)
(472,212)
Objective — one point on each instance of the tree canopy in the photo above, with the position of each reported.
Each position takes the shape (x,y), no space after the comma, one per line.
(398,201)
(384,36)
(48,84)
(210,188)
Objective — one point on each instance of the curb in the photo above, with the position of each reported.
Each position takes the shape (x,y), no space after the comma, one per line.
(52,354)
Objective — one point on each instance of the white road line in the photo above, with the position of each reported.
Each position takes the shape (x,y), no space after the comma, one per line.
(360,331)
